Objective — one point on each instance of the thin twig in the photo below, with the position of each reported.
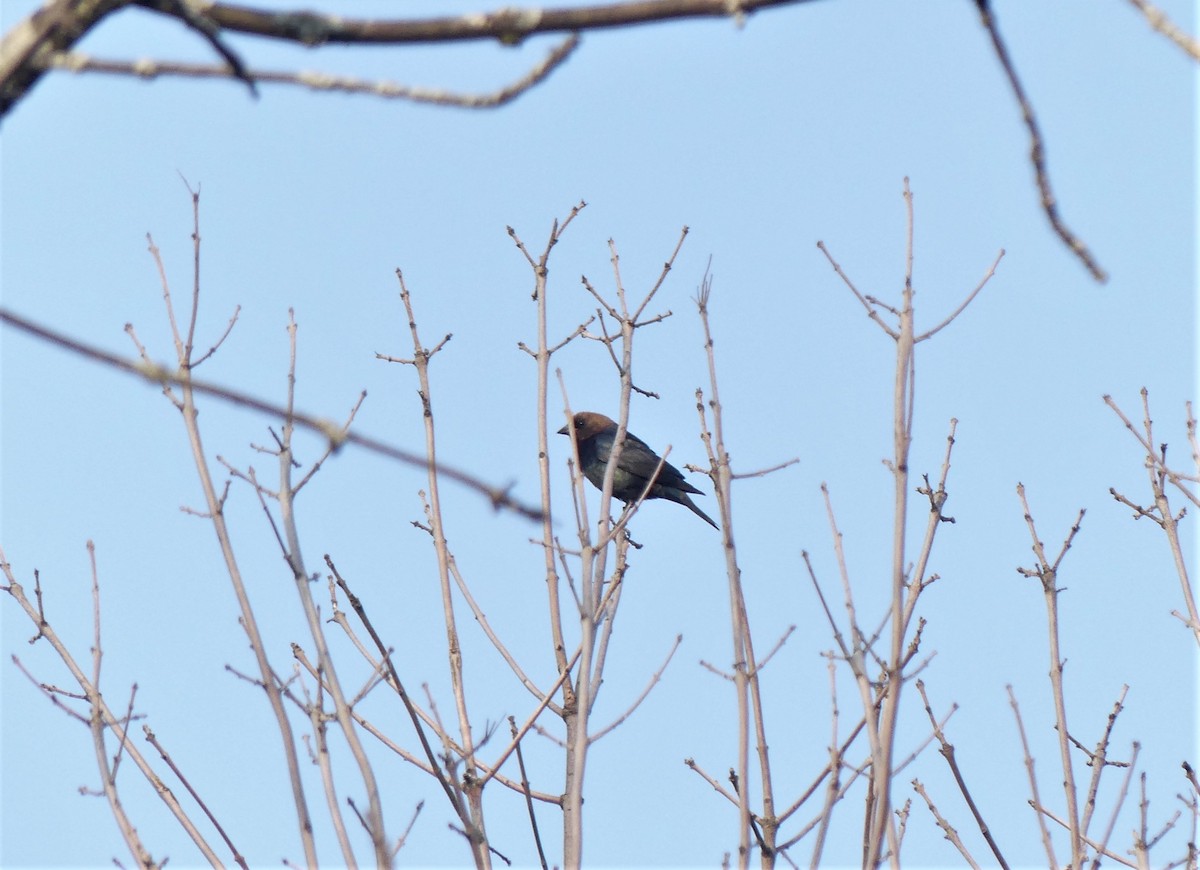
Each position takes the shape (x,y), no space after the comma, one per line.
(947,752)
(159,374)
(147,68)
(947,828)
(637,702)
(1158,19)
(1036,801)
(1037,151)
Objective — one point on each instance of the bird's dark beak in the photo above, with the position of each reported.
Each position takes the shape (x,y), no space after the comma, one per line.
(562,431)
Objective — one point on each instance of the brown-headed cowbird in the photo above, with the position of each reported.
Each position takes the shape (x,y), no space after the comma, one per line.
(594,435)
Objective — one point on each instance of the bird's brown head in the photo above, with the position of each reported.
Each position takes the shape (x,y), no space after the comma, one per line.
(587,424)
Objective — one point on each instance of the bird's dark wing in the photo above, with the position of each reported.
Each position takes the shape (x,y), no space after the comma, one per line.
(639,460)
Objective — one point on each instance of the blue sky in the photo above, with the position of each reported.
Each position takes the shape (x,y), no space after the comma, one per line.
(763,140)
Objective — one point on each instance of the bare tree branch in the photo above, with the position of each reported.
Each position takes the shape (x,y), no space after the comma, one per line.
(336,435)
(510,25)
(28,50)
(1037,148)
(1158,19)
(146,68)
(55,27)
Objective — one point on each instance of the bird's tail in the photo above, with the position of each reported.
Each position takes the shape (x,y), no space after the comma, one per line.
(692,505)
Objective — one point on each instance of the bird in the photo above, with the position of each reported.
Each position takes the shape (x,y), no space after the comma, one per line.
(594,436)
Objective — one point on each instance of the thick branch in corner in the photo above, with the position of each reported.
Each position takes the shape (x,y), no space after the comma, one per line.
(55,27)
(509,25)
(40,41)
